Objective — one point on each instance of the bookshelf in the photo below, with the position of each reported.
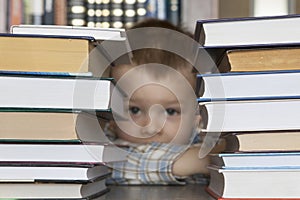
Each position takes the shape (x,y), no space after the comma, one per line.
(91,13)
(123,13)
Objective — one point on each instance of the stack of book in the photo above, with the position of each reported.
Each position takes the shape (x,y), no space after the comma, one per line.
(51,139)
(254,108)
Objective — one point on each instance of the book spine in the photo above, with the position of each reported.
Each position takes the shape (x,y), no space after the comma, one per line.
(15,12)
(48,18)
(129,13)
(37,12)
(117,14)
(173,11)
(141,7)
(76,12)
(90,13)
(60,12)
(161,9)
(3,14)
(106,13)
(98,13)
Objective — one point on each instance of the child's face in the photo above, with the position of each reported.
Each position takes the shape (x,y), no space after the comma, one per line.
(158,111)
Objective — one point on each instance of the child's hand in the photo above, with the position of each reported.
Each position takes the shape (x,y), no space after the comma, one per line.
(190,163)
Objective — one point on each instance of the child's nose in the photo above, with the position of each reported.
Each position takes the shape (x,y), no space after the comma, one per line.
(154,122)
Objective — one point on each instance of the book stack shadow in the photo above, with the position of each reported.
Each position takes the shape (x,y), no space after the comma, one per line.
(255,108)
(51,141)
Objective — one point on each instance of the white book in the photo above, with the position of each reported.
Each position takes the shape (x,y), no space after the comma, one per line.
(249,183)
(249,85)
(54,190)
(260,115)
(256,160)
(21,172)
(97,33)
(66,93)
(61,153)
(248,31)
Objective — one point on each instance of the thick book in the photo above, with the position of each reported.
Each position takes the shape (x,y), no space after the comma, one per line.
(256,160)
(92,153)
(59,92)
(40,53)
(248,31)
(255,182)
(47,172)
(254,115)
(248,85)
(262,141)
(111,43)
(285,57)
(50,126)
(53,190)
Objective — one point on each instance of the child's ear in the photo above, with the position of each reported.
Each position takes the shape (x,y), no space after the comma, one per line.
(197,123)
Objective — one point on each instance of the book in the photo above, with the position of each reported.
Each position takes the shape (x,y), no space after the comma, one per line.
(110,43)
(46,126)
(48,10)
(253,115)
(113,34)
(60,12)
(80,153)
(269,141)
(255,160)
(59,93)
(248,31)
(255,182)
(116,13)
(37,12)
(3,18)
(76,13)
(47,172)
(14,12)
(216,197)
(130,13)
(53,190)
(66,54)
(264,58)
(248,85)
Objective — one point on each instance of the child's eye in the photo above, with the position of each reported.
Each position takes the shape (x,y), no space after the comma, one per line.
(134,110)
(172,111)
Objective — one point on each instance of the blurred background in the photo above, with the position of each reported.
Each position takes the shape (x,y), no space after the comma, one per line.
(123,13)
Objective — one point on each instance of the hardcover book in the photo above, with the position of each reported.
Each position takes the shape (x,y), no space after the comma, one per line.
(59,93)
(248,85)
(276,182)
(43,126)
(248,31)
(37,53)
(53,190)
(47,172)
(242,116)
(268,141)
(256,160)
